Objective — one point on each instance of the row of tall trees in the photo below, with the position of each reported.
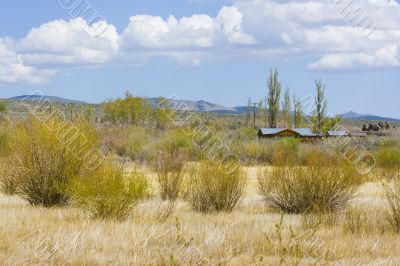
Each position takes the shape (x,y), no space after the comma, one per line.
(289,112)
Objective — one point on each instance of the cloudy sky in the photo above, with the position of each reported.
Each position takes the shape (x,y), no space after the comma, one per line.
(214,50)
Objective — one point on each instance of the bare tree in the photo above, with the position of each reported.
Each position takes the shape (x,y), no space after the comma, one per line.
(274,95)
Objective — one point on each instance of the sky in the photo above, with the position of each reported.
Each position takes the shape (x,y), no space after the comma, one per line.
(215,50)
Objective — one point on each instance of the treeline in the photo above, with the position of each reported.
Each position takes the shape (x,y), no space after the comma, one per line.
(137,111)
(289,113)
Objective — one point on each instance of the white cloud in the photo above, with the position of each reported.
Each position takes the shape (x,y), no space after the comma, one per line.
(62,42)
(231,21)
(13,69)
(386,57)
(155,32)
(254,28)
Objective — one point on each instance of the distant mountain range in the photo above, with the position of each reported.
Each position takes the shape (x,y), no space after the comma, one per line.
(354,116)
(199,106)
(54,99)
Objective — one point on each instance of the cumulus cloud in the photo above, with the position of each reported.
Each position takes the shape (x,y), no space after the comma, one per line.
(72,42)
(386,57)
(13,69)
(155,32)
(336,31)
(230,20)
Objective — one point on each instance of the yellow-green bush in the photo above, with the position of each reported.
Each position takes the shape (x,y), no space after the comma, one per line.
(388,162)
(134,142)
(45,156)
(4,135)
(169,166)
(108,193)
(213,186)
(285,151)
(179,140)
(307,189)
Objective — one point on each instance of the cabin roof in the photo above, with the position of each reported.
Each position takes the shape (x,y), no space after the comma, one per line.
(340,133)
(304,132)
(271,131)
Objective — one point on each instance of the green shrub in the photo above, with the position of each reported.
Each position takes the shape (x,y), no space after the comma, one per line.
(134,142)
(311,189)
(256,152)
(320,155)
(4,135)
(107,193)
(285,151)
(169,166)
(44,160)
(215,187)
(179,140)
(388,157)
(388,162)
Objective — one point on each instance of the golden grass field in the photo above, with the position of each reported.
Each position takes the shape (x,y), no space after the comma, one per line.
(250,235)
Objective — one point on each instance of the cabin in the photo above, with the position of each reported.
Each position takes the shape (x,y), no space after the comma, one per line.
(304,134)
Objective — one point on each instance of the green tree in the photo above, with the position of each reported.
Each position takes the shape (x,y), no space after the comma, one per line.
(331,123)
(320,102)
(109,111)
(248,112)
(162,114)
(274,95)
(259,111)
(298,110)
(287,116)
(265,111)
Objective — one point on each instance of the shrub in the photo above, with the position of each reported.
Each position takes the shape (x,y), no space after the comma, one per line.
(131,142)
(215,187)
(285,151)
(4,135)
(256,152)
(319,155)
(177,140)
(388,161)
(107,193)
(392,193)
(7,184)
(170,170)
(312,189)
(43,162)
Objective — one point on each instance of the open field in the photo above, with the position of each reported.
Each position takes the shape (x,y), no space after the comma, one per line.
(251,234)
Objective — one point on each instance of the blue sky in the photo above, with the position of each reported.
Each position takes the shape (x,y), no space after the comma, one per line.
(220,51)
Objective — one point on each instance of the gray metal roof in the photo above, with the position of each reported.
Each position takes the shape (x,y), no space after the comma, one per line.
(304,132)
(271,131)
(338,133)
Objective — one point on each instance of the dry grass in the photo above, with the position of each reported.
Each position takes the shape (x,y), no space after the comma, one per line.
(163,234)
